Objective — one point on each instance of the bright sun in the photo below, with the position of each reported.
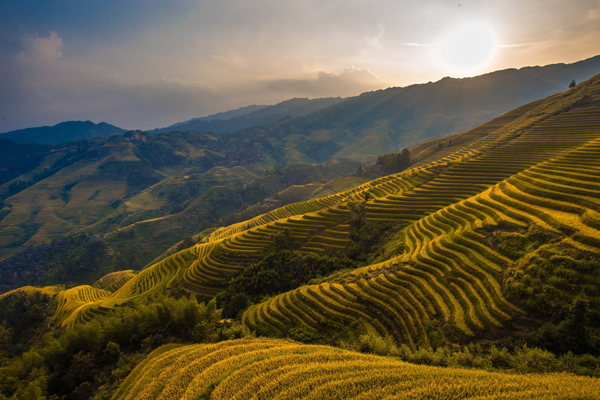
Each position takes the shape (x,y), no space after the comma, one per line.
(467,47)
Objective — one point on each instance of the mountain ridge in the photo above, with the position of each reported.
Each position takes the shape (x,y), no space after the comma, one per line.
(463,192)
(63,132)
(265,115)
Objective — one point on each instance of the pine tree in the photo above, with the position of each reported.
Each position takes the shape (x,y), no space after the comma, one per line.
(574,331)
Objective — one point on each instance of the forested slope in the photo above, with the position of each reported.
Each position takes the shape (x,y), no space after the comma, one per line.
(528,182)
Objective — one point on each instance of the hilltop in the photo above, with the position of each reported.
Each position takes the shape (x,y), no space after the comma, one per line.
(467,215)
(63,132)
(135,185)
(251,116)
(482,254)
(373,123)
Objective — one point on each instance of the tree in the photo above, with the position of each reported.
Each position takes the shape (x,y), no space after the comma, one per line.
(572,84)
(571,334)
(395,162)
(187,242)
(576,336)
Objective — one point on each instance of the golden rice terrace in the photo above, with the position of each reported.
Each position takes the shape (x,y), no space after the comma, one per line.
(534,169)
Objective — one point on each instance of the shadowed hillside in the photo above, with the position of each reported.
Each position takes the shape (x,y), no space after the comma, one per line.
(248,117)
(455,262)
(482,255)
(63,132)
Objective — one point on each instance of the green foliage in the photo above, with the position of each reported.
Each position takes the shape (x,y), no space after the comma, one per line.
(395,162)
(187,242)
(571,335)
(112,352)
(82,358)
(137,174)
(25,377)
(516,245)
(283,241)
(550,279)
(376,344)
(21,315)
(318,150)
(158,154)
(368,237)
(304,335)
(83,261)
(17,159)
(522,359)
(278,272)
(232,330)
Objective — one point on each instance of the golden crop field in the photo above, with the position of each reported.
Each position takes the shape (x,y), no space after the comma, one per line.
(281,369)
(48,290)
(535,167)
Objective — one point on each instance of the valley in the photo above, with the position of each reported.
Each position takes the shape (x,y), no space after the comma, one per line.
(466,264)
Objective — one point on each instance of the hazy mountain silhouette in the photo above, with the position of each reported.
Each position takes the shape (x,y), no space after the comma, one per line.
(390,119)
(63,132)
(213,117)
(263,116)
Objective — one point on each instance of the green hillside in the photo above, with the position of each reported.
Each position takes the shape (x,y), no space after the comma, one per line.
(56,190)
(451,264)
(481,255)
(376,122)
(248,117)
(50,192)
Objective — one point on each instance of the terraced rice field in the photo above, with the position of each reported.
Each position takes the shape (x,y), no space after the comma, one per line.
(48,290)
(539,168)
(81,303)
(280,369)
(484,167)
(320,224)
(114,279)
(448,271)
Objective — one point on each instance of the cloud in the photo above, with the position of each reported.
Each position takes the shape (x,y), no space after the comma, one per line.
(376,41)
(41,48)
(171,61)
(416,44)
(42,87)
(349,82)
(594,14)
(506,46)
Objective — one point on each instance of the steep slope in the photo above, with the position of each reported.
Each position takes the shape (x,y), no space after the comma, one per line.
(450,269)
(530,181)
(73,186)
(376,122)
(63,132)
(222,116)
(265,115)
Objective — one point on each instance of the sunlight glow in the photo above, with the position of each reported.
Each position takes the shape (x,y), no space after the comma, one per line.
(467,47)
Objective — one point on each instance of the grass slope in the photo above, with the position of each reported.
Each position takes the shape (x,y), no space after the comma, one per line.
(268,369)
(534,173)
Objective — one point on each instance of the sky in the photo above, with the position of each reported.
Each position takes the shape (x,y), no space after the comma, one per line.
(147,64)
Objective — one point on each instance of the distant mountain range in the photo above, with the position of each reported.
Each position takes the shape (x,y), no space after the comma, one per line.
(367,125)
(214,117)
(248,117)
(63,132)
(391,119)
